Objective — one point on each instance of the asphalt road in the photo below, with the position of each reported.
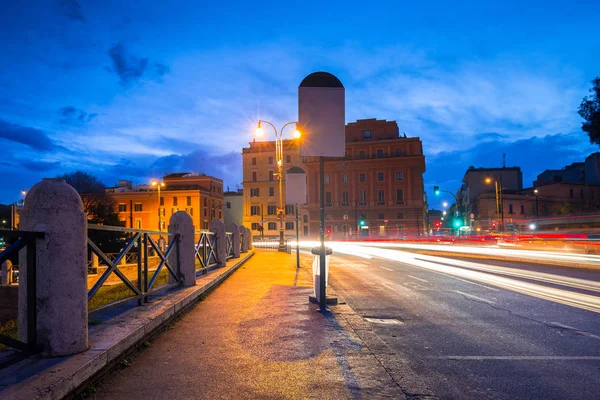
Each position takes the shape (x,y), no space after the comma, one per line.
(470,329)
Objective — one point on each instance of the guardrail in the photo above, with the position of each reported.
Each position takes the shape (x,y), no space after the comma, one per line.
(141,242)
(27,241)
(271,244)
(205,251)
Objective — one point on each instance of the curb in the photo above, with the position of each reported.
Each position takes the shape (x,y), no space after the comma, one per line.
(109,342)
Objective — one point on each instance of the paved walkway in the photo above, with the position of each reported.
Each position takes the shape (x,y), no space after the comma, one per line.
(257,337)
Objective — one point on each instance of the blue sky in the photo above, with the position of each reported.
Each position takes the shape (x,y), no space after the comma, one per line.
(131,90)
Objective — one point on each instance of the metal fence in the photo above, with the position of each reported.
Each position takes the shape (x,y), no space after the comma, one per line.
(27,241)
(205,251)
(140,243)
(268,243)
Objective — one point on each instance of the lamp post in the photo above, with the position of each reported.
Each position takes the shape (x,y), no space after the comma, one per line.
(158,185)
(279,158)
(537,214)
(499,199)
(437,191)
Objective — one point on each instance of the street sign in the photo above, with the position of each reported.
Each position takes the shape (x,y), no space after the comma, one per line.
(295,186)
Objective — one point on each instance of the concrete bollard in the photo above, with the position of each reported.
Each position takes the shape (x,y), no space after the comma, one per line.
(250,239)
(95,262)
(218,228)
(235,240)
(6,276)
(55,208)
(246,237)
(181,223)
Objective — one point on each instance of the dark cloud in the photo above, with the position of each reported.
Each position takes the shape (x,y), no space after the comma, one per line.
(70,9)
(71,114)
(32,137)
(489,137)
(40,166)
(131,68)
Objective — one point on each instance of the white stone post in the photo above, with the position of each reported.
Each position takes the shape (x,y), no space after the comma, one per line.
(250,246)
(55,208)
(7,272)
(181,223)
(235,240)
(246,234)
(218,228)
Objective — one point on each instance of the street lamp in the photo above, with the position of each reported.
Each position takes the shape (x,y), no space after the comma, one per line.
(279,158)
(158,185)
(499,199)
(537,214)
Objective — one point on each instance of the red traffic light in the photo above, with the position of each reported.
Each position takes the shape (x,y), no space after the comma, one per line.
(437,224)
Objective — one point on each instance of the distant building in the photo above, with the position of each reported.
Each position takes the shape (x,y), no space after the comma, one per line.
(233,211)
(199,195)
(375,190)
(579,172)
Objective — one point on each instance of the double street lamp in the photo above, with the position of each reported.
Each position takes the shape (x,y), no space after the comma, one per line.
(158,184)
(279,159)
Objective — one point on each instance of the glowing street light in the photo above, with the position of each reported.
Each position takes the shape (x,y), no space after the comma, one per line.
(158,185)
(279,157)
(445,204)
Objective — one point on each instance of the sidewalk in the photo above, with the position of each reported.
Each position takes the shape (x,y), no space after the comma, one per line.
(257,337)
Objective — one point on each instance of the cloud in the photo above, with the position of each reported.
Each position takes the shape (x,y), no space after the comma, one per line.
(70,9)
(71,114)
(131,68)
(40,166)
(32,137)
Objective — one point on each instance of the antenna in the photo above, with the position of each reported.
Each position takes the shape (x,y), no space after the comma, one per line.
(503,160)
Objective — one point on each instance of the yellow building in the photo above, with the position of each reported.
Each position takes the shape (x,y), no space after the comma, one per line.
(140,207)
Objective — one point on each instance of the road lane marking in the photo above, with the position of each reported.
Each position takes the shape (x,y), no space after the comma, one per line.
(387,269)
(474,297)
(575,330)
(419,279)
(520,358)
(464,280)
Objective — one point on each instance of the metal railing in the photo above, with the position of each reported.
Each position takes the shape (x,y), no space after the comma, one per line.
(141,242)
(27,241)
(229,245)
(205,251)
(268,243)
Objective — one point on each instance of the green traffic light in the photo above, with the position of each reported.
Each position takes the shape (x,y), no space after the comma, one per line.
(436,190)
(457,223)
(362,223)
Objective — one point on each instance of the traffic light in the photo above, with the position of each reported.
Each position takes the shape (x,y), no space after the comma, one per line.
(457,224)
(436,190)
(437,224)
(493,225)
(362,222)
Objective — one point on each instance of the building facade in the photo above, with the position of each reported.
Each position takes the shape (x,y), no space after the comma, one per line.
(140,207)
(376,190)
(233,211)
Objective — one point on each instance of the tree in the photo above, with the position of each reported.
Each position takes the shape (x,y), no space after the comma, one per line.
(590,112)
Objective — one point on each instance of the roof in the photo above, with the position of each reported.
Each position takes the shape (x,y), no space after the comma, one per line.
(321,79)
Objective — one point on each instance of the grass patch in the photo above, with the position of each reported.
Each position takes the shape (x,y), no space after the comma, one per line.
(108,294)
(9,328)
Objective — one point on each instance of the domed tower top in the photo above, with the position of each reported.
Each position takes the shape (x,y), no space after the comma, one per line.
(321,79)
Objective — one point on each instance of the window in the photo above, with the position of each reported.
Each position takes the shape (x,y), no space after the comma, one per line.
(288,158)
(327,179)
(205,212)
(254,210)
(174,201)
(380,177)
(270,159)
(254,192)
(581,194)
(271,176)
(361,154)
(189,201)
(379,153)
(366,135)
(289,209)
(271,191)
(205,202)
(271,210)
(228,204)
(122,207)
(162,201)
(380,216)
(253,160)
(205,224)
(399,175)
(362,197)
(362,177)
(380,197)
(305,219)
(510,209)
(398,152)
(254,176)
(137,207)
(399,196)
(289,226)
(328,198)
(189,210)
(255,226)
(345,201)
(400,215)
(161,211)
(272,226)
(571,193)
(344,178)
(522,209)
